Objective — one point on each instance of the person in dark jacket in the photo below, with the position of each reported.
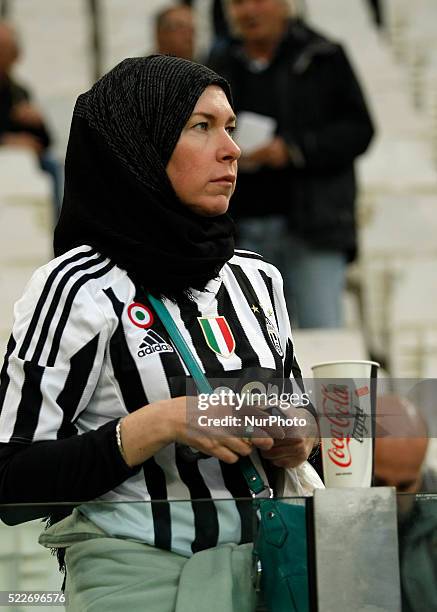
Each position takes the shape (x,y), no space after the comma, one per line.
(21,122)
(220,24)
(402,443)
(295,202)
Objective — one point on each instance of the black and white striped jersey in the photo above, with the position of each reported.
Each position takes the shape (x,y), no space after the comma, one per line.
(86,350)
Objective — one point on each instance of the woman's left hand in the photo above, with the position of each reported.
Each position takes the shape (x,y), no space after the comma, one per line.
(298,443)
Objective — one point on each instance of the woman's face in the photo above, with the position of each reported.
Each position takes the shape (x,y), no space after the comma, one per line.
(203,166)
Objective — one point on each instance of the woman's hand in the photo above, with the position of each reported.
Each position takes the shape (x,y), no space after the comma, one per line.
(298,443)
(226,443)
(152,427)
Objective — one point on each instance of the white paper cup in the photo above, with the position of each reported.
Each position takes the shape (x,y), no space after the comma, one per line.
(345,394)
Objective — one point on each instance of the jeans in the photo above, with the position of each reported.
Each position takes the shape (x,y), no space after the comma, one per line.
(313,278)
(54,169)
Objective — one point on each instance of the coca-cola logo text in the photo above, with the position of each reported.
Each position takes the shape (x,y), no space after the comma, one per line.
(336,406)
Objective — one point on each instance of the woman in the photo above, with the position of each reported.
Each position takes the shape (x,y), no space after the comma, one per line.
(92,390)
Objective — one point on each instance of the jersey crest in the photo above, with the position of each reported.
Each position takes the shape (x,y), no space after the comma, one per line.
(218,335)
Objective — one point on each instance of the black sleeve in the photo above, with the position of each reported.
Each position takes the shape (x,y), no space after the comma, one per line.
(349,131)
(41,132)
(291,366)
(19,93)
(52,462)
(218,59)
(293,373)
(76,469)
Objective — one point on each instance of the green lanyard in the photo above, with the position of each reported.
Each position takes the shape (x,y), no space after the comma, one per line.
(250,473)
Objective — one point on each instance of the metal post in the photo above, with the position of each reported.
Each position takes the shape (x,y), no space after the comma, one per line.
(356,550)
(4,8)
(94,9)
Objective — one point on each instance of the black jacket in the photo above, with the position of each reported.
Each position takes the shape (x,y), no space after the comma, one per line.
(11,93)
(312,92)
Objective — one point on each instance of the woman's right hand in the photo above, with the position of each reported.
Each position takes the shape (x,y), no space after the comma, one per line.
(152,427)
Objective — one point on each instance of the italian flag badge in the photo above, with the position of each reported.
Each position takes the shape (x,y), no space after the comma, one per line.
(218,335)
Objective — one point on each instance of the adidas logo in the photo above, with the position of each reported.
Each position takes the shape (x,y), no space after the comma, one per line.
(153,343)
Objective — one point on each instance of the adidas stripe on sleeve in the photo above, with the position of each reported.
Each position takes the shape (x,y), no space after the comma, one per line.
(266,274)
(52,366)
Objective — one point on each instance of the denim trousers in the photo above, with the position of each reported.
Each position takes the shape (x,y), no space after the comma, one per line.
(54,169)
(313,278)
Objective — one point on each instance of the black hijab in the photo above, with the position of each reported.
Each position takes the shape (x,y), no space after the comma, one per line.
(118,197)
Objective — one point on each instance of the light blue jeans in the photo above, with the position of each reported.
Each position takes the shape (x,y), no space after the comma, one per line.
(313,278)
(55,170)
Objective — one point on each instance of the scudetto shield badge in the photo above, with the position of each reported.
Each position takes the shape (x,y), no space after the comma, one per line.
(218,335)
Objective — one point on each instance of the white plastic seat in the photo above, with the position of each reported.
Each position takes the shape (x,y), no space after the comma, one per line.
(21,175)
(317,345)
(413,320)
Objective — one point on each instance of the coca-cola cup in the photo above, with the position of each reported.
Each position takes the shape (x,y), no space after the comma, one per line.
(345,393)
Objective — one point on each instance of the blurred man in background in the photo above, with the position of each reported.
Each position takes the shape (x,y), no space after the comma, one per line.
(21,123)
(175,32)
(400,453)
(217,17)
(295,197)
(401,449)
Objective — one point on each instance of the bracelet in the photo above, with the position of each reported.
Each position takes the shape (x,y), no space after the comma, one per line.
(119,442)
